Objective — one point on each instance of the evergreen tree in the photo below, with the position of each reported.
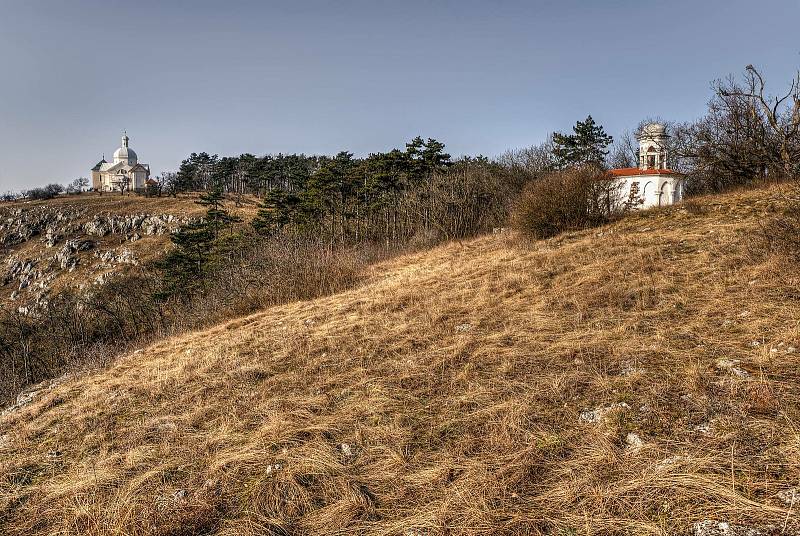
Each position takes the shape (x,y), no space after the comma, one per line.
(279,209)
(426,157)
(197,172)
(216,215)
(586,145)
(436,160)
(185,178)
(185,266)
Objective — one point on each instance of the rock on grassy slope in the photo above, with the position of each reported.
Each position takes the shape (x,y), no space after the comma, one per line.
(79,241)
(641,378)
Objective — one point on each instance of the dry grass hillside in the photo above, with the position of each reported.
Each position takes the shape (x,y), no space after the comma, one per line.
(641,378)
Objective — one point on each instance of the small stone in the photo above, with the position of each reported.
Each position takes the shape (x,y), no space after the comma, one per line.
(721,528)
(179,495)
(731,366)
(789,496)
(703,428)
(5,441)
(596,415)
(628,368)
(590,415)
(462,328)
(273,468)
(347,450)
(633,441)
(25,398)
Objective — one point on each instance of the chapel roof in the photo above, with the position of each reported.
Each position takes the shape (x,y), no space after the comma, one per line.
(99,165)
(633,171)
(125,153)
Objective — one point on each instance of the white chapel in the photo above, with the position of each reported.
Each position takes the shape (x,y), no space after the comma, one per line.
(123,173)
(652,183)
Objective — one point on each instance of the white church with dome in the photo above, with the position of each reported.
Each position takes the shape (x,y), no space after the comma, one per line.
(123,173)
(652,183)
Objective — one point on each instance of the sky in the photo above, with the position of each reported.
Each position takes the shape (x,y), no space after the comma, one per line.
(318,77)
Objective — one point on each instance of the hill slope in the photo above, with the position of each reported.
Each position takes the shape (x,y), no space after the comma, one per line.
(635,379)
(81,240)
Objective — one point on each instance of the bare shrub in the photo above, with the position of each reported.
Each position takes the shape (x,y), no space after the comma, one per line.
(254,273)
(47,192)
(470,198)
(573,199)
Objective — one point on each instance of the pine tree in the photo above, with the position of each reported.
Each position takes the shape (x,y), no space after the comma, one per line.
(435,158)
(216,215)
(279,209)
(185,266)
(587,144)
(426,157)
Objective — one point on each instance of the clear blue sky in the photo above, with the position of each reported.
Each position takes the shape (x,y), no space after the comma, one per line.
(317,77)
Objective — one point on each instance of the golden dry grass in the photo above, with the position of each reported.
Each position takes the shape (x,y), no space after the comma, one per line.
(443,397)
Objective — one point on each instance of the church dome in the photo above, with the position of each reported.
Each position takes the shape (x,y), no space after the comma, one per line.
(654,129)
(125,154)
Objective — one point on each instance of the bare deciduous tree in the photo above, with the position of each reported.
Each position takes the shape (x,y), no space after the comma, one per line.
(123,183)
(781,114)
(535,160)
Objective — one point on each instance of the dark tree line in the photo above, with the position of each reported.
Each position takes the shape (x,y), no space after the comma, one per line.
(415,192)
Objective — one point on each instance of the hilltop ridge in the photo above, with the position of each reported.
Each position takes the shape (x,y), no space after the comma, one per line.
(639,378)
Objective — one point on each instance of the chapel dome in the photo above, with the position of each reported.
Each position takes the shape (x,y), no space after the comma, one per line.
(125,153)
(654,129)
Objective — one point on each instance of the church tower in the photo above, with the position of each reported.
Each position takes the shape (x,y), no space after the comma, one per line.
(125,155)
(652,183)
(653,147)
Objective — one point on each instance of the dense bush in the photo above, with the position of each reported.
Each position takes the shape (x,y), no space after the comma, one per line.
(47,192)
(571,199)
